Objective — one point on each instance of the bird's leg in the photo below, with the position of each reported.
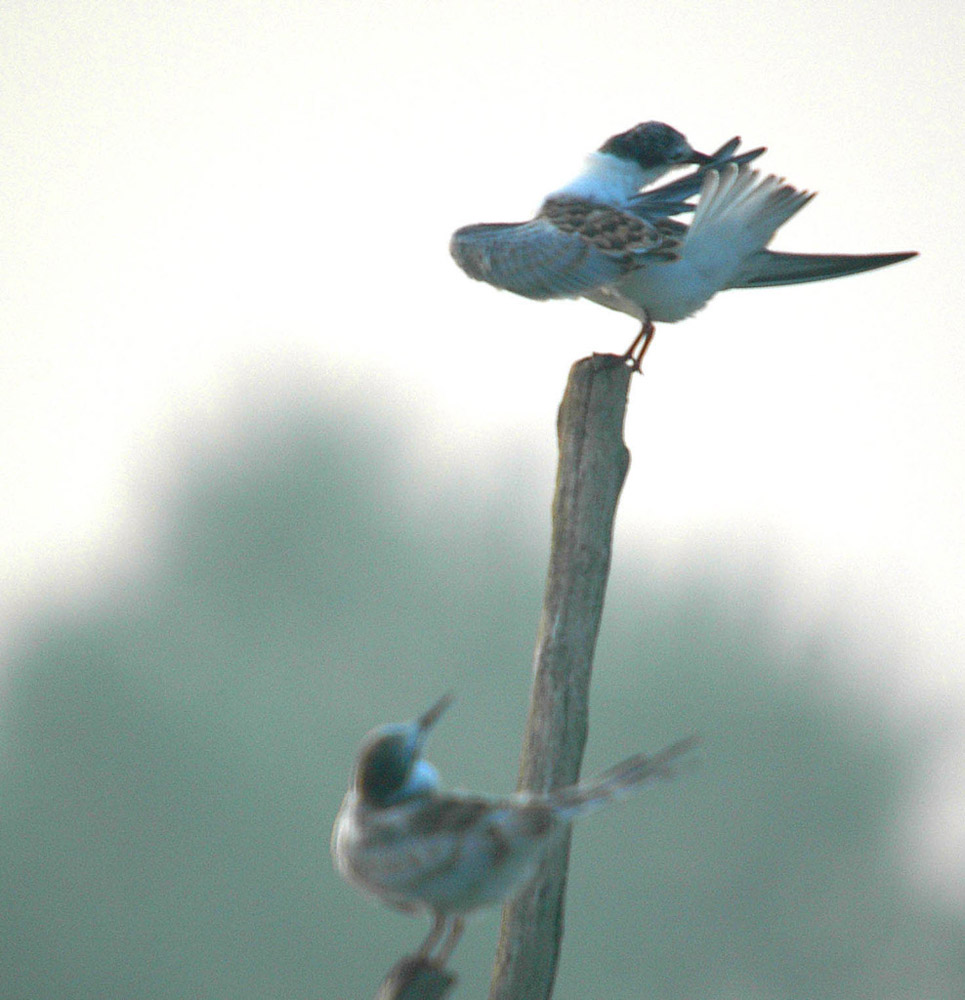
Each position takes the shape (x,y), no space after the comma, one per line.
(642,340)
(432,938)
(455,932)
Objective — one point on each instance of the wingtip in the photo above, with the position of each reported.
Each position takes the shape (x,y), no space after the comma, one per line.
(770,268)
(894,258)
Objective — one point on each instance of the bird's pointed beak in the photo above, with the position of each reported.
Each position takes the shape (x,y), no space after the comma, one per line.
(701,158)
(429,718)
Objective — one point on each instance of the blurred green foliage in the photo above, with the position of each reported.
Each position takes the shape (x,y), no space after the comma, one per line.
(175,748)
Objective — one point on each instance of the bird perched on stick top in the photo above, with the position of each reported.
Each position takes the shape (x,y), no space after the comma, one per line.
(603,238)
(417,848)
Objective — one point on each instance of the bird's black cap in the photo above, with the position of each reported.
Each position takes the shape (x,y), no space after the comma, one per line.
(653,144)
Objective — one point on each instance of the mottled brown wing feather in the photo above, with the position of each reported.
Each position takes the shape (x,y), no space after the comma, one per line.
(571,247)
(604,227)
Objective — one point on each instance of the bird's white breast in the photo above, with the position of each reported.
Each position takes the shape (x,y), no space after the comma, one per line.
(669,290)
(607,179)
(444,869)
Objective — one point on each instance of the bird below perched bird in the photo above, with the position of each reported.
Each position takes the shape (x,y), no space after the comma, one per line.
(400,838)
(603,238)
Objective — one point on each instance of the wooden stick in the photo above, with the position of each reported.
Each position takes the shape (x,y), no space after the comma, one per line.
(593,462)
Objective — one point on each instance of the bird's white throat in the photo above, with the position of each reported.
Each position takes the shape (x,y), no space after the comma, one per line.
(609,179)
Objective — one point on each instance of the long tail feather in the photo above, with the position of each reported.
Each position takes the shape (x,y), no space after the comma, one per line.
(622,778)
(768,267)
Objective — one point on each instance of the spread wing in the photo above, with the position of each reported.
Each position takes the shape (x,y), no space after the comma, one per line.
(572,247)
(657,203)
(737,215)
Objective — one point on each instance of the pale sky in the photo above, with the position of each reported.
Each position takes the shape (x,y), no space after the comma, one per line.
(195,194)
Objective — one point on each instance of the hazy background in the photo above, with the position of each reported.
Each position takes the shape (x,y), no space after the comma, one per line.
(274,472)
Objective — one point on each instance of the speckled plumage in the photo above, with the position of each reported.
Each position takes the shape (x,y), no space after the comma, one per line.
(605,236)
(450,853)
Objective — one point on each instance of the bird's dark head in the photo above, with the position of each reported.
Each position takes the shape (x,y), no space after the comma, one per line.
(652,145)
(390,767)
